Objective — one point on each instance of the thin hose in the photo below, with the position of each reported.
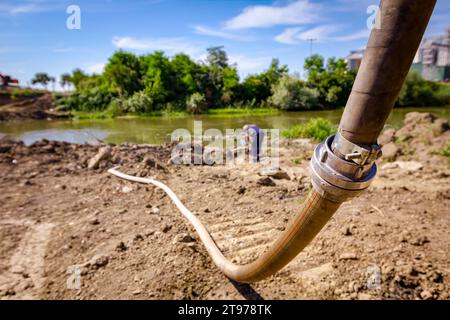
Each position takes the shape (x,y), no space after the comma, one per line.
(314,214)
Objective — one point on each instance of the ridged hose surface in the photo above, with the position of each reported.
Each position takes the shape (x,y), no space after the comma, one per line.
(313,215)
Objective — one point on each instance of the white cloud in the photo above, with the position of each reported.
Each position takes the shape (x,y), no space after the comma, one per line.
(24,9)
(359,6)
(216,33)
(288,36)
(261,16)
(96,68)
(14,8)
(319,33)
(168,45)
(296,35)
(18,9)
(362,34)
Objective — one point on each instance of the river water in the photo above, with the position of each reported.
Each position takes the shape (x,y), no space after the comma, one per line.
(157,130)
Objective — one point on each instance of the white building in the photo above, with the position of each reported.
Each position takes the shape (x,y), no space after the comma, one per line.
(432,60)
(354,59)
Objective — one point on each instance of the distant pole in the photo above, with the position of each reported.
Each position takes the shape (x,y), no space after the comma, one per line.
(311,40)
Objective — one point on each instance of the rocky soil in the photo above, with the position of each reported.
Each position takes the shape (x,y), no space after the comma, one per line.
(70,232)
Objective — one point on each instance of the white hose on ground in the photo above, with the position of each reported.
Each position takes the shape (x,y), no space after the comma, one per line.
(217,256)
(303,227)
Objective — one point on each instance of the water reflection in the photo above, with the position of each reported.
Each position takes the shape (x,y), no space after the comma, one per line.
(89,136)
(157,130)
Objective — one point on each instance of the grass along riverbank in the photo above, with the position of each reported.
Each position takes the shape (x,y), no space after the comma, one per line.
(162,113)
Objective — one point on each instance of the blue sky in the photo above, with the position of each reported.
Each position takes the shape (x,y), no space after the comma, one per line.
(34,36)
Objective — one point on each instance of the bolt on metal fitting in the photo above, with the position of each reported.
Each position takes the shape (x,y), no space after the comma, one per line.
(336,178)
(362,155)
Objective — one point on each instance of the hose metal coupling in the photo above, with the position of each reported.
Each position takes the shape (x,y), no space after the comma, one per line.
(338,175)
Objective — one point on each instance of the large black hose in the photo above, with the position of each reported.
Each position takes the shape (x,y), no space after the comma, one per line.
(387,60)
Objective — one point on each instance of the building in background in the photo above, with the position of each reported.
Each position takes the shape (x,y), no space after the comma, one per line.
(354,59)
(432,60)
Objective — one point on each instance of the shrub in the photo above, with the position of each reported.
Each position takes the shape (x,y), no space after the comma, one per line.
(291,94)
(175,107)
(196,103)
(115,108)
(139,102)
(318,129)
(443,94)
(17,94)
(417,91)
(96,99)
(61,101)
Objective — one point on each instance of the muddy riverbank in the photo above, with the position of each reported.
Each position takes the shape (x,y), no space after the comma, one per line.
(38,107)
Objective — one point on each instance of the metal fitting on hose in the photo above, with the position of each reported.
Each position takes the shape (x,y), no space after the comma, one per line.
(338,175)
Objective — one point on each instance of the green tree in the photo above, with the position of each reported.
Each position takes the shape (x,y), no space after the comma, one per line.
(216,73)
(254,87)
(217,56)
(41,78)
(187,74)
(158,78)
(258,87)
(275,72)
(65,80)
(77,78)
(314,65)
(417,91)
(123,73)
(292,94)
(334,82)
(230,85)
(94,81)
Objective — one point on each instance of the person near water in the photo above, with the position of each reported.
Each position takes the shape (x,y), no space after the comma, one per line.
(255,139)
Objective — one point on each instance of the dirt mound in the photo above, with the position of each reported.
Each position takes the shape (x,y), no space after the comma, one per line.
(422,137)
(38,108)
(70,232)
(7,96)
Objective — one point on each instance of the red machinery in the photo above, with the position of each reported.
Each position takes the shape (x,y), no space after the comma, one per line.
(7,81)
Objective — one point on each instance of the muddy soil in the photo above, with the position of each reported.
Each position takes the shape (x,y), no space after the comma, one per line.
(69,232)
(37,108)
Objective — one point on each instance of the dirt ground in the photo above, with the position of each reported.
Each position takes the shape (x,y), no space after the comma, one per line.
(68,232)
(39,107)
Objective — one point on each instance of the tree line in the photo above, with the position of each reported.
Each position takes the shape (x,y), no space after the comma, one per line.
(155,82)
